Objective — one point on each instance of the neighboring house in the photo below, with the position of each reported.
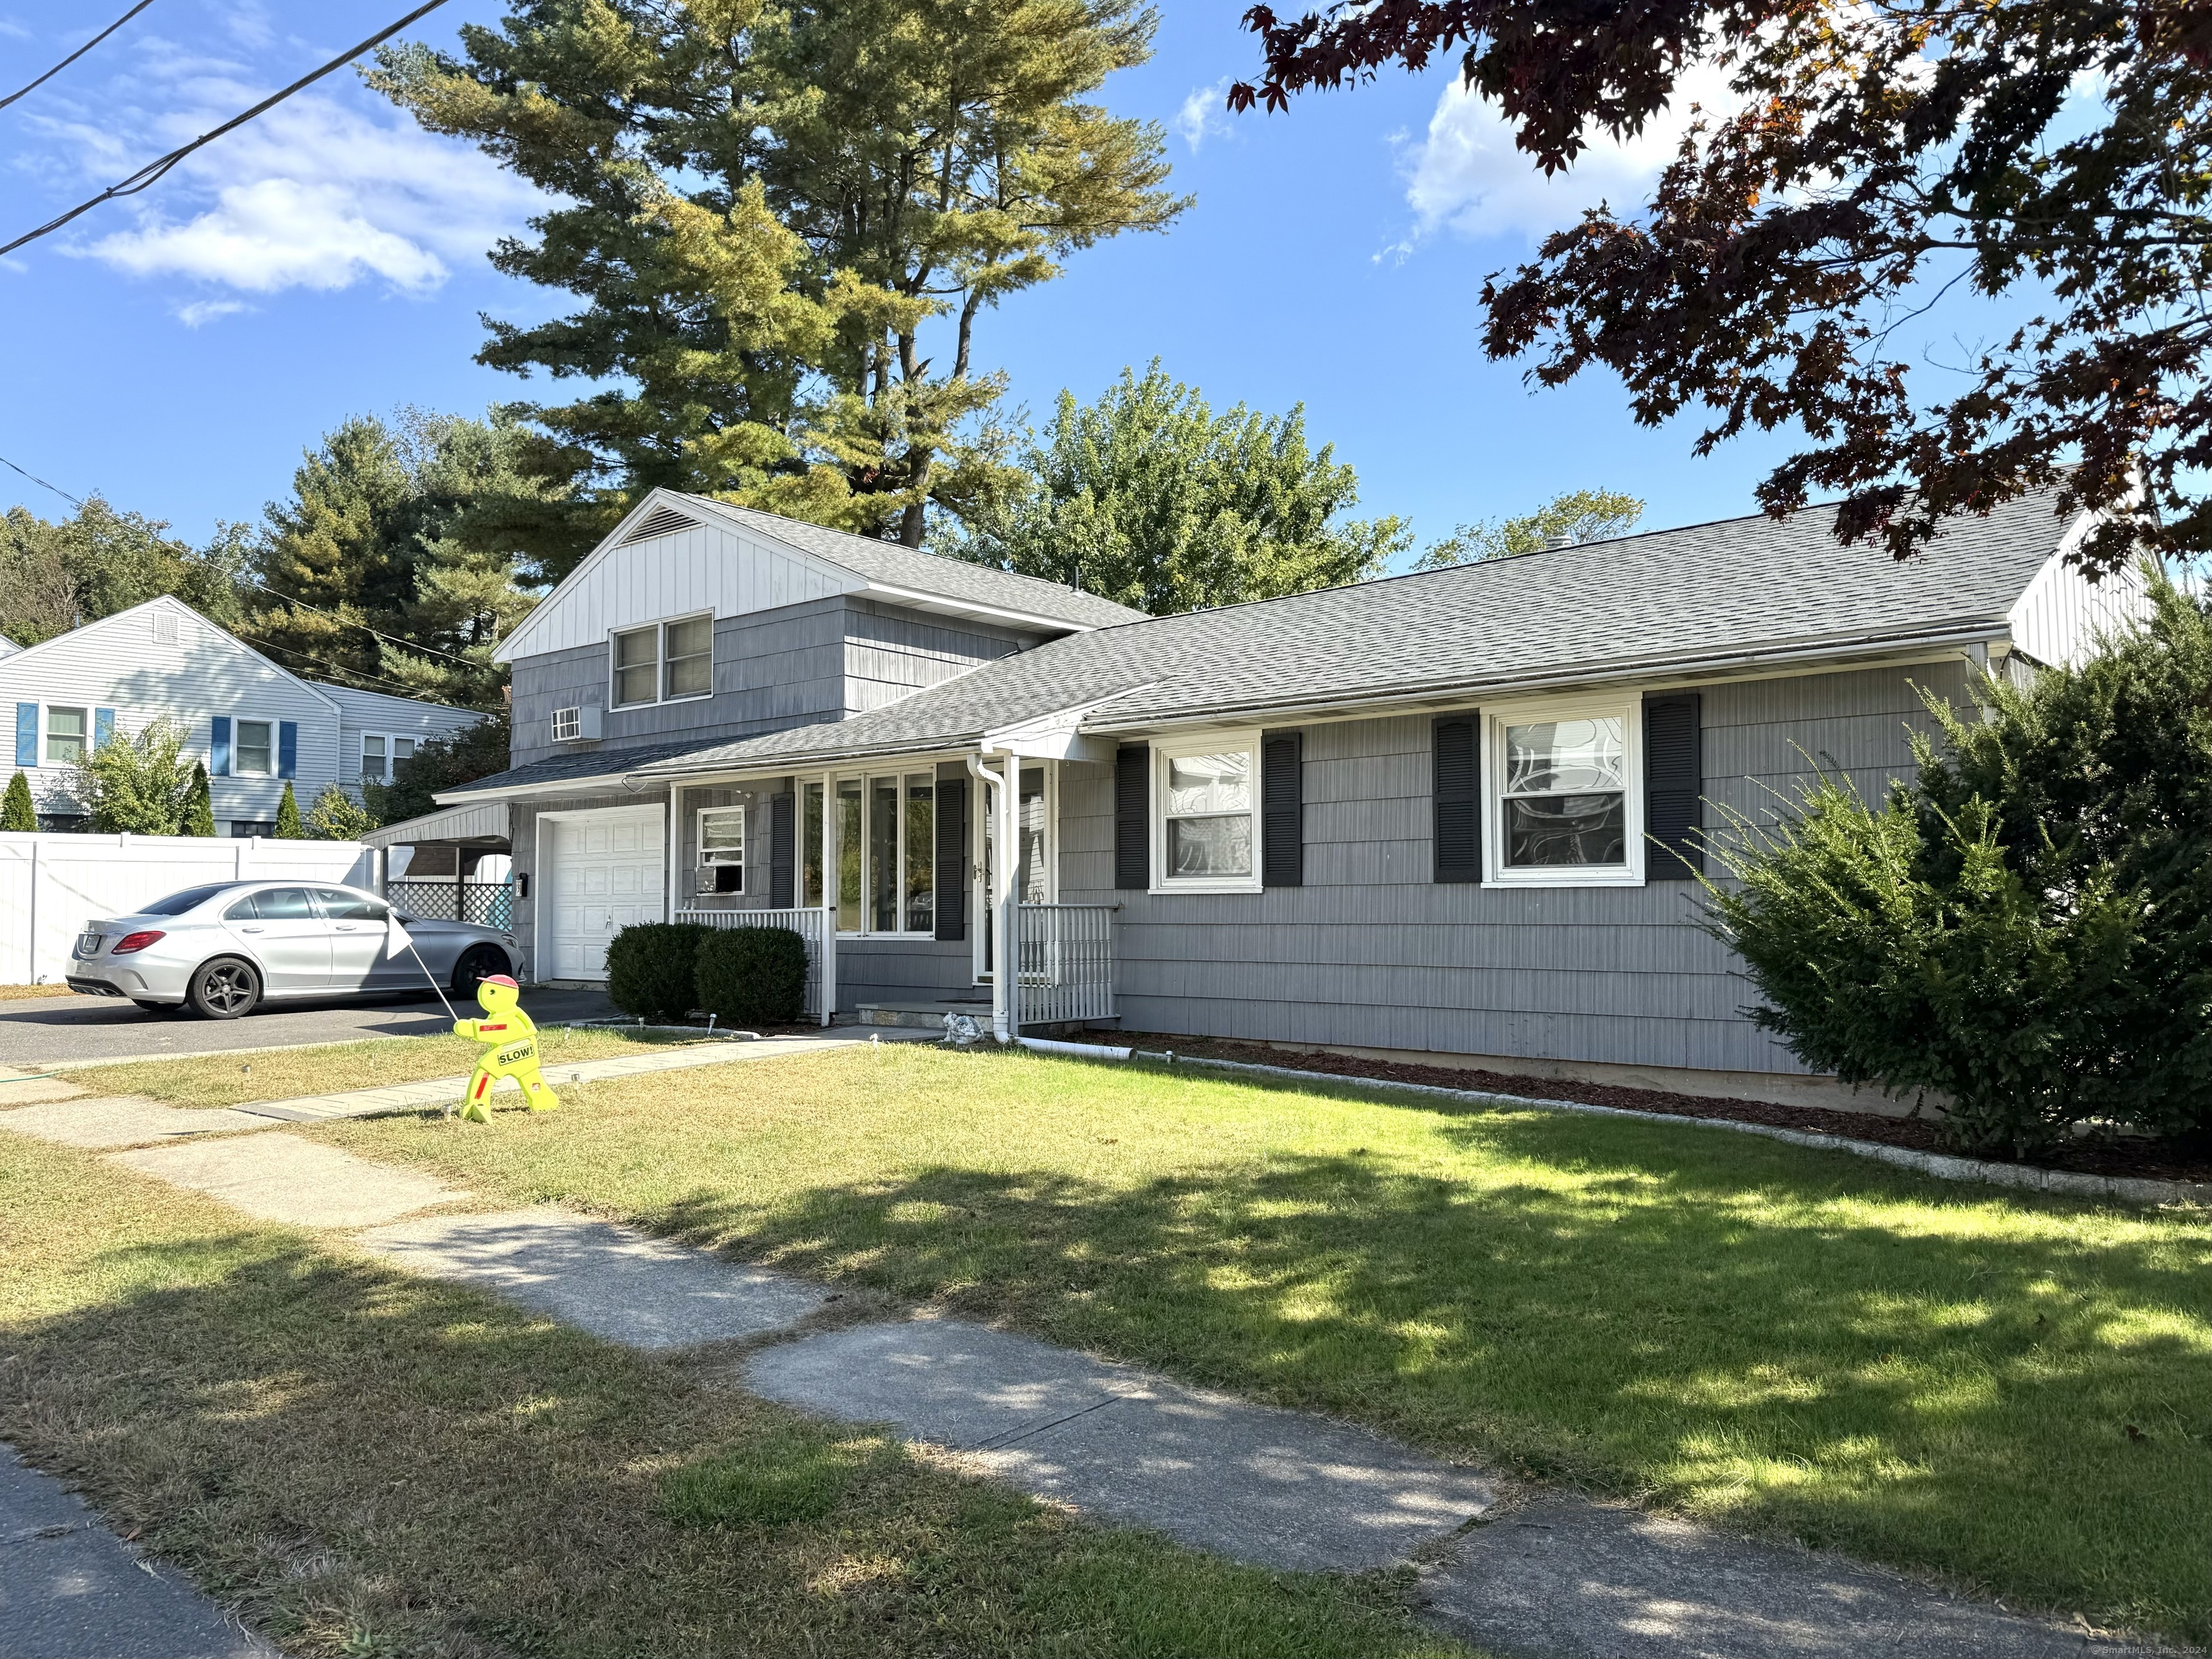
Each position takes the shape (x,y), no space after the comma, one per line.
(254,725)
(1452,813)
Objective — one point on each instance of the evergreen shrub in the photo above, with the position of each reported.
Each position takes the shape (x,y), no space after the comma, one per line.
(753,976)
(651,970)
(2025,928)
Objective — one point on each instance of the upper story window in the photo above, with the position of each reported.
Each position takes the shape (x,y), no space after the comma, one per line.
(65,737)
(1563,794)
(663,662)
(1206,828)
(381,753)
(254,755)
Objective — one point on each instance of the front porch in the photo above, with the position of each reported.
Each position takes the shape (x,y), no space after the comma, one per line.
(1065,957)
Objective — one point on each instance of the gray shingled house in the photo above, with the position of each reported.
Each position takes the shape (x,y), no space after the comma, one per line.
(1447,814)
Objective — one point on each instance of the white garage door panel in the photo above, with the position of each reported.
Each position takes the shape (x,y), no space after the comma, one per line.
(603,870)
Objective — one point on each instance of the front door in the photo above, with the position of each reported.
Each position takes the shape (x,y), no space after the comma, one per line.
(286,935)
(603,870)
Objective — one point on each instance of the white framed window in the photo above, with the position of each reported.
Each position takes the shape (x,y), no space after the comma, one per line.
(68,736)
(687,659)
(877,834)
(719,837)
(381,753)
(254,751)
(662,662)
(1563,793)
(1206,814)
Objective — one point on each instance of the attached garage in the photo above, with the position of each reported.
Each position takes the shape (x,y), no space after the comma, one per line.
(598,872)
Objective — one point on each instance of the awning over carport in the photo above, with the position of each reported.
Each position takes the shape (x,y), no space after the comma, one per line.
(483,825)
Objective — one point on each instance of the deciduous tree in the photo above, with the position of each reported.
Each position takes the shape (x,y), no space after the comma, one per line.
(137,783)
(55,576)
(1151,499)
(1572,517)
(1873,156)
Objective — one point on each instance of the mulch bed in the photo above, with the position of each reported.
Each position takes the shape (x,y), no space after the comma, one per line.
(2129,1156)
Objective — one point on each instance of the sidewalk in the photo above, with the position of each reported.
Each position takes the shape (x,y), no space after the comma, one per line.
(1515,1571)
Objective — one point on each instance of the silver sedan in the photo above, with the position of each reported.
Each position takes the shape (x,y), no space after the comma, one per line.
(224,948)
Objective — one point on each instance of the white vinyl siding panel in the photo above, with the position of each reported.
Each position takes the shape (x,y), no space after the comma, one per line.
(120,662)
(708,567)
(2059,617)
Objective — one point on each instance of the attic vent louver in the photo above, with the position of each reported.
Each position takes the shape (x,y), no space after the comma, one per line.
(661,521)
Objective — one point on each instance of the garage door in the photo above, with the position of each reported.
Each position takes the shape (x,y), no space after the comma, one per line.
(602,872)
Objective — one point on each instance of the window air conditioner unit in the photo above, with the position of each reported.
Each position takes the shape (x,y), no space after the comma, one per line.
(578,725)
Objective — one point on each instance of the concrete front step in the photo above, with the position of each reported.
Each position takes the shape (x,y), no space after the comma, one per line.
(923,1015)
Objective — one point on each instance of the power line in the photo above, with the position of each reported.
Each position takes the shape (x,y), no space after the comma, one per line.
(254,582)
(43,484)
(412,691)
(153,172)
(78,53)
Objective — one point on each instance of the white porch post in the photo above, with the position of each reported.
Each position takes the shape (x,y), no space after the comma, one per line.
(996,793)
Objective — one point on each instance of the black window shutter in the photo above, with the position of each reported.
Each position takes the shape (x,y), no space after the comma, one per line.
(1458,796)
(952,857)
(782,843)
(1673,781)
(1282,812)
(1132,827)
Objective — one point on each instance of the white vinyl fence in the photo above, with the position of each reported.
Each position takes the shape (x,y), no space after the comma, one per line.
(51,886)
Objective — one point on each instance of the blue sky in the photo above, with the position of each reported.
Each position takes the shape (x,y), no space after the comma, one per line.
(177,352)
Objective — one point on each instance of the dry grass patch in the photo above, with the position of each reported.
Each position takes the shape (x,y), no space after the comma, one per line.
(2012,1388)
(369,1464)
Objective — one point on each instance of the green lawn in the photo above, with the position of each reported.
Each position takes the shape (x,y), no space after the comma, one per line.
(2011,1389)
(380,1467)
(216,1080)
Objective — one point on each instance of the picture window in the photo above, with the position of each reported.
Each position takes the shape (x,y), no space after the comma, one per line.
(1207,824)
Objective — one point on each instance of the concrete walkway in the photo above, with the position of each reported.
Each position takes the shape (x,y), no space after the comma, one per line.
(69,1588)
(1515,1572)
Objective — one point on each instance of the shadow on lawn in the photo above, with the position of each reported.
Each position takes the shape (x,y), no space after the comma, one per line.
(1778,1341)
(369,1464)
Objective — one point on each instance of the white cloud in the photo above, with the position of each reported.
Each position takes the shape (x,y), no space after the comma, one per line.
(1203,115)
(1466,174)
(206,310)
(13,30)
(327,190)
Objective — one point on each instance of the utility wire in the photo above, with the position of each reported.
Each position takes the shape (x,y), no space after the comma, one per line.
(43,484)
(254,582)
(78,53)
(154,171)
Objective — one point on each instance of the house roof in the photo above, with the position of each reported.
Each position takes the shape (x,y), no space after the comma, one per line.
(1733,595)
(578,766)
(889,564)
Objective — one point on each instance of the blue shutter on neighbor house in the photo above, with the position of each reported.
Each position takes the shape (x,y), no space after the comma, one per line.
(219,748)
(103,726)
(27,734)
(288,747)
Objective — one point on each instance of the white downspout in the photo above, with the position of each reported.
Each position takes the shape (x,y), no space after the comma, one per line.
(994,797)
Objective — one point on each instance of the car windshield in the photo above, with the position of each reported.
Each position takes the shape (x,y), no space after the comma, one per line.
(190,898)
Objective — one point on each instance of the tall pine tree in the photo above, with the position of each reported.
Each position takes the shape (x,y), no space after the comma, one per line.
(783,224)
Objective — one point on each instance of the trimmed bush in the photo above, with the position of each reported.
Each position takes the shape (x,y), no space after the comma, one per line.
(753,976)
(650,969)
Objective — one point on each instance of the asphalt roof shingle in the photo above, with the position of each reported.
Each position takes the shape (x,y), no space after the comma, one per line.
(897,566)
(1741,587)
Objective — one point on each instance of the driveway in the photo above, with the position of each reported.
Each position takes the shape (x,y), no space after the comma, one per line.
(47,1030)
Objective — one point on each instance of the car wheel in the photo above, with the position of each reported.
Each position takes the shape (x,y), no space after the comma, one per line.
(225,988)
(478,963)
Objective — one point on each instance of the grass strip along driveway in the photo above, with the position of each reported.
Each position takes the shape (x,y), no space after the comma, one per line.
(372,1464)
(212,1081)
(2011,1389)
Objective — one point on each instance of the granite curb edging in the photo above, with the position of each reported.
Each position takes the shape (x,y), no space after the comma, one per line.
(1942,1165)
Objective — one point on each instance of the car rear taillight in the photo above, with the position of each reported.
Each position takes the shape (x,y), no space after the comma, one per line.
(137,941)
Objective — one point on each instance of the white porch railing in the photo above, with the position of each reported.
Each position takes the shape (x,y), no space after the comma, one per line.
(1067,957)
(817,926)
